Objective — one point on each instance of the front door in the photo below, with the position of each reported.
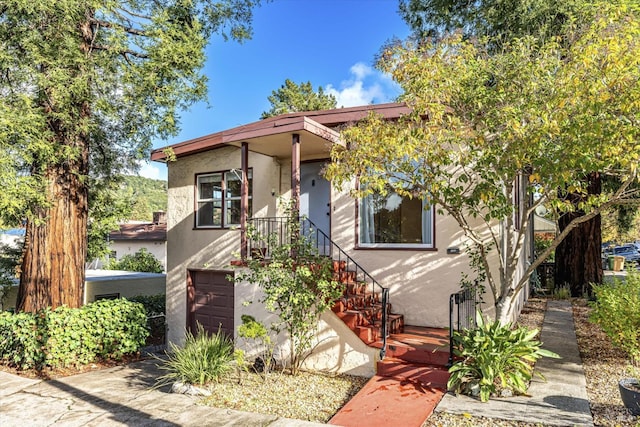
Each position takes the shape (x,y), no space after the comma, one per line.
(315,199)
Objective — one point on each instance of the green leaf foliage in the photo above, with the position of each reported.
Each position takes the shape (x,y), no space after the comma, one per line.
(493,357)
(297,282)
(153,304)
(148,196)
(106,329)
(259,343)
(142,261)
(292,98)
(203,359)
(155,307)
(507,19)
(616,310)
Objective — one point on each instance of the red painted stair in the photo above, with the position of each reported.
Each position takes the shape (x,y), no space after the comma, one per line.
(408,385)
(360,307)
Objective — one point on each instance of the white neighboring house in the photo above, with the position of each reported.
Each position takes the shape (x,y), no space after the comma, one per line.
(106,284)
(131,237)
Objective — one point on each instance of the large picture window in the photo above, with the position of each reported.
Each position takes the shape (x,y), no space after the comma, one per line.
(395,221)
(218,198)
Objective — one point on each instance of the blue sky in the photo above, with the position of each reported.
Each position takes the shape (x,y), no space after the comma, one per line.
(331,43)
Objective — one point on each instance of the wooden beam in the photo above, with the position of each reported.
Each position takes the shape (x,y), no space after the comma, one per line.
(295,172)
(244,199)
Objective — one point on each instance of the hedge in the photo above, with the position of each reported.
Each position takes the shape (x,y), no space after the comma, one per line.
(105,329)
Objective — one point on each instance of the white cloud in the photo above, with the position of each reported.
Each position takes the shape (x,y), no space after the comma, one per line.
(361,70)
(367,86)
(152,170)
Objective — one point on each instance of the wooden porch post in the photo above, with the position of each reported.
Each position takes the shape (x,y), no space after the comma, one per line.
(244,199)
(295,172)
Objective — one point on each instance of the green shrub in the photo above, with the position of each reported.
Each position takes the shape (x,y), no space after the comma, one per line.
(561,292)
(259,342)
(616,310)
(153,304)
(297,284)
(123,326)
(203,359)
(21,337)
(142,261)
(64,336)
(494,356)
(156,308)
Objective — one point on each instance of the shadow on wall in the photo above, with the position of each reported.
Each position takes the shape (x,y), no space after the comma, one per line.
(339,350)
(420,281)
(206,249)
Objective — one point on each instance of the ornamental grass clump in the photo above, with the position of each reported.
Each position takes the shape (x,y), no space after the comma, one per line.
(616,310)
(203,359)
(494,357)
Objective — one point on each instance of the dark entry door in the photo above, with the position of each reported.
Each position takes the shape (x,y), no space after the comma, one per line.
(210,301)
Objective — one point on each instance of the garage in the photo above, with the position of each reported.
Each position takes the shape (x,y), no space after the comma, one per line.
(210,300)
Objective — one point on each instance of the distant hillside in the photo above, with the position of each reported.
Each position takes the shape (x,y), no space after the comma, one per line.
(149,195)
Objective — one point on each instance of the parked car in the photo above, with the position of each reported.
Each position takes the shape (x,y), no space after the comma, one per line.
(629,251)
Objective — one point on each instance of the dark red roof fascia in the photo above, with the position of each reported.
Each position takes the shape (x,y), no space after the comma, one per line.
(329,118)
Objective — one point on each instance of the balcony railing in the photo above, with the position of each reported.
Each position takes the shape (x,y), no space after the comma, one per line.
(281,231)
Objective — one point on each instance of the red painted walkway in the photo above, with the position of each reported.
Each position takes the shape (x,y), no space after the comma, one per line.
(409,384)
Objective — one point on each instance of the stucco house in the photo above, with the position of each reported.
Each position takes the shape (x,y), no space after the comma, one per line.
(219,183)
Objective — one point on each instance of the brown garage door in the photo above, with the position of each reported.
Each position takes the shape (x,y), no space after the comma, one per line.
(210,301)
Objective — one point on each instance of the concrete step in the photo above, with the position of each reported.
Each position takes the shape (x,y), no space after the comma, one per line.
(384,402)
(427,375)
(418,344)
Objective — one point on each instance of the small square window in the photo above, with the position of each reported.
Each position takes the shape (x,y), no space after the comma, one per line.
(218,198)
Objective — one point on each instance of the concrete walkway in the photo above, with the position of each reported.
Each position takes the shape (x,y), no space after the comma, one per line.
(561,400)
(119,396)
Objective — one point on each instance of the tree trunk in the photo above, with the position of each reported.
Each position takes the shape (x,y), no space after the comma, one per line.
(56,245)
(53,265)
(578,256)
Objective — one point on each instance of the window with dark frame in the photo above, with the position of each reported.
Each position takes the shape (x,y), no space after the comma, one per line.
(218,198)
(391,220)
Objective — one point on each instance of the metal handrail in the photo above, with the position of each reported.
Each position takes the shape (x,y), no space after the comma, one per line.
(466,302)
(325,247)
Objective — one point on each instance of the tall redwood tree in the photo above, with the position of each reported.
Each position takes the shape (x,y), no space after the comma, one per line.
(85,85)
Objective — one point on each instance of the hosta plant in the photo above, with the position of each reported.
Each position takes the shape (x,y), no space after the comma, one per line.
(494,357)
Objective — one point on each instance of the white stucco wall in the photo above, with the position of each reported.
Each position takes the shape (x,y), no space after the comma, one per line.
(336,348)
(419,281)
(124,283)
(190,248)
